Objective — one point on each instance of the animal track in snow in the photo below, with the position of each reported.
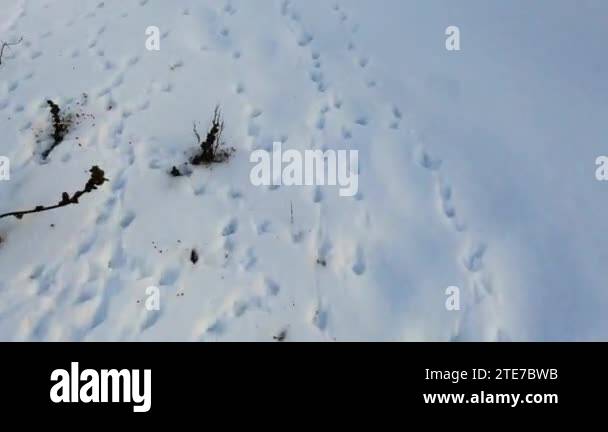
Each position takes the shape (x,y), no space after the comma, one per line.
(359,264)
(320,318)
(473,260)
(151,317)
(264,227)
(169,277)
(272,288)
(127,220)
(230,228)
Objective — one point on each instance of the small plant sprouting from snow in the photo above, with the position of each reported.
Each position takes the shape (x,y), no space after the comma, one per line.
(61,126)
(212,149)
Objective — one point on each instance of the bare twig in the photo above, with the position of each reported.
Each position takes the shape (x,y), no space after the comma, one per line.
(210,148)
(97,179)
(219,125)
(8,45)
(61,126)
(197,135)
(281,336)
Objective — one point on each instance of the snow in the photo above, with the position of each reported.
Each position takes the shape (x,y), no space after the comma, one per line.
(477,170)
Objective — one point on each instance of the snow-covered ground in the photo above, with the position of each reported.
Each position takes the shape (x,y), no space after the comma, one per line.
(477,170)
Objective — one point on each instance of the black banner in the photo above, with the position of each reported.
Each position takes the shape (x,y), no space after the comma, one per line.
(155,380)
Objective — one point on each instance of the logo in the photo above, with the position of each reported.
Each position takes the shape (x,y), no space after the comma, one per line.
(308,167)
(5,168)
(90,386)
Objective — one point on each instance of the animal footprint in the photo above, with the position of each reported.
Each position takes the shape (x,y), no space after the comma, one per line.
(127,220)
(272,288)
(231,228)
(428,162)
(264,227)
(359,265)
(317,195)
(473,261)
(320,318)
(150,319)
(169,277)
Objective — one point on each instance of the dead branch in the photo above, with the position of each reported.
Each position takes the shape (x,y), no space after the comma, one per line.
(61,126)
(8,45)
(97,179)
(210,148)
